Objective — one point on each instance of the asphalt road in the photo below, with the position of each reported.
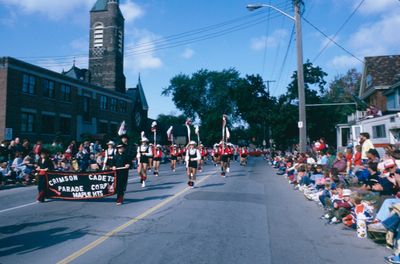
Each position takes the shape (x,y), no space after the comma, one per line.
(251,216)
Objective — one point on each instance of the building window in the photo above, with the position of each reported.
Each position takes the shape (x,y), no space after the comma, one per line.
(48,88)
(28,84)
(48,122)
(113,105)
(27,122)
(103,102)
(66,92)
(103,128)
(379,131)
(98,35)
(86,109)
(122,106)
(120,41)
(65,125)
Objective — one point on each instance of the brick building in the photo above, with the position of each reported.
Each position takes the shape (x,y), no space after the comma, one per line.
(38,103)
(380,73)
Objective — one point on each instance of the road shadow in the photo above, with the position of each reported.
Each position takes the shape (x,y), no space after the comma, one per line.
(37,240)
(211,185)
(150,188)
(10,229)
(112,199)
(227,197)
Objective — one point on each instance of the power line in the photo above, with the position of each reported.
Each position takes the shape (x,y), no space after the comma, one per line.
(340,28)
(57,62)
(332,40)
(284,59)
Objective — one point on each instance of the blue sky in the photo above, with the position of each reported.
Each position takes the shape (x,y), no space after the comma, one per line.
(50,33)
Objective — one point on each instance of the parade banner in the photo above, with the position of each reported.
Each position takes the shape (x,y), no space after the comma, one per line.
(77,186)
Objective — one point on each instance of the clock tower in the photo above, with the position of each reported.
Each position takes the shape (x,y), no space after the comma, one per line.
(106,45)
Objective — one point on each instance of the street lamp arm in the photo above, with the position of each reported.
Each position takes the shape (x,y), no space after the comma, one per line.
(252,7)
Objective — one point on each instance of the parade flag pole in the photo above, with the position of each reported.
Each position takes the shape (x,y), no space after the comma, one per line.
(170,134)
(224,118)
(122,129)
(154,130)
(188,123)
(197,131)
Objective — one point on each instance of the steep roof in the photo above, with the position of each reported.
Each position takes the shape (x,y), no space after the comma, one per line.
(76,73)
(380,72)
(101,5)
(138,92)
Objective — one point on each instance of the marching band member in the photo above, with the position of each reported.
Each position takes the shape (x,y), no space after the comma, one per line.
(109,155)
(192,159)
(150,167)
(174,156)
(121,164)
(203,154)
(216,154)
(230,155)
(143,154)
(224,160)
(44,165)
(157,155)
(243,156)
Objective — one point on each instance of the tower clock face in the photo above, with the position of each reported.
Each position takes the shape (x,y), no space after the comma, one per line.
(138,119)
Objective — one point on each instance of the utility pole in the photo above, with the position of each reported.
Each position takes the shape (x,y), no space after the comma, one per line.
(268,82)
(300,78)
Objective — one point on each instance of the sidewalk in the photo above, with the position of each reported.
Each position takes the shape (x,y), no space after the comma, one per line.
(298,235)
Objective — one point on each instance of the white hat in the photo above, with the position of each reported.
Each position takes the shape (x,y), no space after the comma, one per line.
(158,146)
(110,143)
(346,192)
(192,143)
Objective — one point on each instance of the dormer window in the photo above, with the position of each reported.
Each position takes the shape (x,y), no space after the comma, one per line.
(98,35)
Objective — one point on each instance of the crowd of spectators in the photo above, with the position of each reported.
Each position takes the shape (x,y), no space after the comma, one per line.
(357,188)
(18,159)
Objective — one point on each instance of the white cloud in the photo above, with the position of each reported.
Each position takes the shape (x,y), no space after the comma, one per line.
(377,38)
(141,54)
(377,6)
(131,11)
(270,41)
(187,53)
(344,62)
(53,9)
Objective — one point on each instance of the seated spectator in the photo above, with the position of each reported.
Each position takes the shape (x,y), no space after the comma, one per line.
(340,163)
(5,173)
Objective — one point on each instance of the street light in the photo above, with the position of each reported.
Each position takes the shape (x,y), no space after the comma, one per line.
(300,73)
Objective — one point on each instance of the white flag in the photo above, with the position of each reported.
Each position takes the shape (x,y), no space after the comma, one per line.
(228,134)
(122,129)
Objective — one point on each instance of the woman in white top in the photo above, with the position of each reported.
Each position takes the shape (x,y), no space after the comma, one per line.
(192,159)
(109,155)
(143,154)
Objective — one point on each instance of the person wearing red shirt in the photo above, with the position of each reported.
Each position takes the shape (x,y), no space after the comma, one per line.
(157,155)
(357,156)
(243,156)
(225,153)
(174,157)
(203,155)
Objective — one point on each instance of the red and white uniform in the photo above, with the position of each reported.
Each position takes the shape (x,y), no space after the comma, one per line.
(157,153)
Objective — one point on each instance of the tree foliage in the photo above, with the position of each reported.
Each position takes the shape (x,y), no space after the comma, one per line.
(206,95)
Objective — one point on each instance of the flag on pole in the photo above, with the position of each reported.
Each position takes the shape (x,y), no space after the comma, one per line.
(188,123)
(153,126)
(228,134)
(197,131)
(122,129)
(142,136)
(170,134)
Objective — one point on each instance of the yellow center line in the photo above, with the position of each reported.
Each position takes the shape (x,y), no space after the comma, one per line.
(118,229)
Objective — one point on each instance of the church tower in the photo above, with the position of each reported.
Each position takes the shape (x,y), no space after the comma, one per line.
(106,45)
